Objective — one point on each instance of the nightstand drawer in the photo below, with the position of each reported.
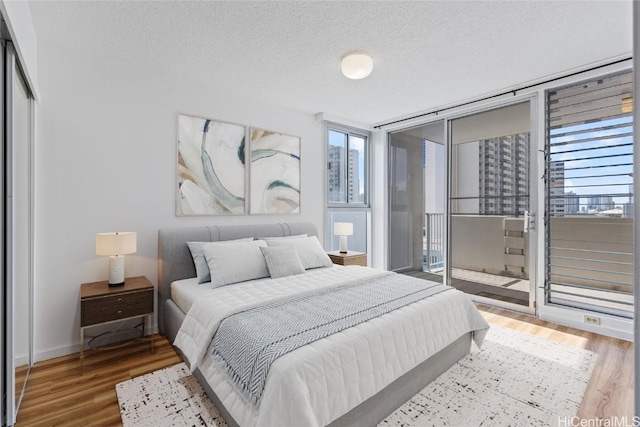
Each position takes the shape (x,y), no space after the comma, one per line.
(356,260)
(114,307)
(119,300)
(108,314)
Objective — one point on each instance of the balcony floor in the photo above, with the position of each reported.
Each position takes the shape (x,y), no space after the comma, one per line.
(508,289)
(491,279)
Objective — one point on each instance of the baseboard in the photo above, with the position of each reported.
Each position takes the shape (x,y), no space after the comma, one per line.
(62,351)
(58,352)
(610,326)
(22,360)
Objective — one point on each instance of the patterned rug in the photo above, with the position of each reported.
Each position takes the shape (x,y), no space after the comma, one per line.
(516,380)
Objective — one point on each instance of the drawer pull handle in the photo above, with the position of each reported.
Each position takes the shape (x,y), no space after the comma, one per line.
(119,312)
(119,299)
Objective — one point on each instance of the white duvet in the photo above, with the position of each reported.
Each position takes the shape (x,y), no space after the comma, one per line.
(319,382)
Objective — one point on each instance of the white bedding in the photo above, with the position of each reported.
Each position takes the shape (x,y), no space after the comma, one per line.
(321,381)
(185,292)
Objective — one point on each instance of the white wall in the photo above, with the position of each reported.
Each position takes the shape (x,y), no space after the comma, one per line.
(106,161)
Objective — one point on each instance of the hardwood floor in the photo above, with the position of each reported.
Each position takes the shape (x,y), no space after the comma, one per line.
(610,390)
(59,394)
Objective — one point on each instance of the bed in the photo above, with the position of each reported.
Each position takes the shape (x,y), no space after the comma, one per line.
(356,376)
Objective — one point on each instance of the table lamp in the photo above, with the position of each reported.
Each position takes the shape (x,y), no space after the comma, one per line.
(116,245)
(343,229)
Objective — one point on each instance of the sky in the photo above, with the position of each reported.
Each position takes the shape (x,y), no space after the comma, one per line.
(597,161)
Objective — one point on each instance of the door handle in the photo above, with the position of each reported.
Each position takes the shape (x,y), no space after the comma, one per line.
(529,222)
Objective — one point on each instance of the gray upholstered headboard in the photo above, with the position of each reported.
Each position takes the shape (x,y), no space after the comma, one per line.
(174,258)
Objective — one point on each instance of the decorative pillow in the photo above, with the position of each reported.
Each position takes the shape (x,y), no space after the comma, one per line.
(282,261)
(309,250)
(297,236)
(234,263)
(197,253)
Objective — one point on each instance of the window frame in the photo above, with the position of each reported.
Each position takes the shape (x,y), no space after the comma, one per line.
(355,132)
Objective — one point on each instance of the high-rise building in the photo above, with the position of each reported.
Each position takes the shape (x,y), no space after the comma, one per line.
(600,203)
(504,175)
(556,189)
(571,202)
(343,187)
(335,173)
(627,208)
(594,203)
(606,203)
(354,177)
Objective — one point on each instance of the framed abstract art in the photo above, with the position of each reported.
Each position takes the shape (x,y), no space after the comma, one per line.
(274,183)
(211,167)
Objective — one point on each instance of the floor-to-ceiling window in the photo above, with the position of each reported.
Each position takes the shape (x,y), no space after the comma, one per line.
(348,186)
(589,186)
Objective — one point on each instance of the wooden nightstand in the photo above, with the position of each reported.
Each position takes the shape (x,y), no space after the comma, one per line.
(350,258)
(101,304)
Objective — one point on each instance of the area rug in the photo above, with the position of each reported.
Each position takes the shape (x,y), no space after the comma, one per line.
(515,380)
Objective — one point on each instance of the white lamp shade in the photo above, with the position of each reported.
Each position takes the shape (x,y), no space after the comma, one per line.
(343,229)
(116,243)
(357,66)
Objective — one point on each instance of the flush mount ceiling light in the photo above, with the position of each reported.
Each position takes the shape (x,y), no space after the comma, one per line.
(357,65)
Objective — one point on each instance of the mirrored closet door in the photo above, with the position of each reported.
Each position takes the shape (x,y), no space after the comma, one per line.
(18,232)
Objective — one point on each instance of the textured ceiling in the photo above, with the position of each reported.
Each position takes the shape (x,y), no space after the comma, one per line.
(426,54)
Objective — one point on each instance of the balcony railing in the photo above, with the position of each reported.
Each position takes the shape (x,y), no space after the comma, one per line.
(433,243)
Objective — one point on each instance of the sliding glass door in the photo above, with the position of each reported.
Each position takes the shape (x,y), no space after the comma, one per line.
(416,196)
(478,236)
(490,213)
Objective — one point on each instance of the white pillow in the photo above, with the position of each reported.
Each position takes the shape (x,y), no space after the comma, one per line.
(234,263)
(197,253)
(282,261)
(309,250)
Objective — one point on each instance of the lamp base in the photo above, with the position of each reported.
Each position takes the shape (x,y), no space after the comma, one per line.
(343,244)
(116,270)
(115,285)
